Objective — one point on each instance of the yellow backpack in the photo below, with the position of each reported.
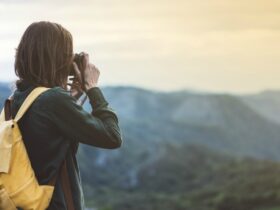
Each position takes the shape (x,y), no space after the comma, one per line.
(18,184)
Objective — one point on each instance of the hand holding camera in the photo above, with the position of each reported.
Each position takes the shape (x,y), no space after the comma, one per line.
(85,74)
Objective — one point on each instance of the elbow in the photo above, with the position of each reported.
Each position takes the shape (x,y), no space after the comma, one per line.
(115,139)
(110,139)
(116,143)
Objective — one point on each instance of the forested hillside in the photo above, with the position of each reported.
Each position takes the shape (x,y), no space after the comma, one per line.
(185,150)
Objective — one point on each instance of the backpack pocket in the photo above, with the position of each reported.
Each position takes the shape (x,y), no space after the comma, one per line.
(6,143)
(5,202)
(33,196)
(5,159)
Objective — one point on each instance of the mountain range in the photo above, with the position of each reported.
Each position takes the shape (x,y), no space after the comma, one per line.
(167,135)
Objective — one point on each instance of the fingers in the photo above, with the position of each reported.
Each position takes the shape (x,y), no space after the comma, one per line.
(77,72)
(74,79)
(75,85)
(85,58)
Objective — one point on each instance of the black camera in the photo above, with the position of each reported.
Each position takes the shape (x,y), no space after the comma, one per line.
(78,59)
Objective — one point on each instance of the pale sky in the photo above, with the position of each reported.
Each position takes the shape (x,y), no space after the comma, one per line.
(209,45)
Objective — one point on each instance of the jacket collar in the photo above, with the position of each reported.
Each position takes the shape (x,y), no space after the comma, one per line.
(23,85)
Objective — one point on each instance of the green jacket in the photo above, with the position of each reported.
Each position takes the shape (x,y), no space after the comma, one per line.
(53,127)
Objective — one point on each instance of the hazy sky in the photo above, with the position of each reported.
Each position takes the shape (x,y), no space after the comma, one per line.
(212,45)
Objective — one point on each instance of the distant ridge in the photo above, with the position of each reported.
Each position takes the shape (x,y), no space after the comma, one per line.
(229,135)
(228,123)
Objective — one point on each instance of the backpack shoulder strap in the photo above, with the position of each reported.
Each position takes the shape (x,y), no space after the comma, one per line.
(66,187)
(2,115)
(28,101)
(6,111)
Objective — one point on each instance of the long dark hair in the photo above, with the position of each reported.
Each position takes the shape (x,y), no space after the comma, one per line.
(44,55)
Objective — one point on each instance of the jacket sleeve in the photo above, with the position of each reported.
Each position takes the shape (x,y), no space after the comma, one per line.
(99,128)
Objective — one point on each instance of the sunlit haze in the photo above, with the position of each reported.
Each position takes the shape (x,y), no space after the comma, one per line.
(211,45)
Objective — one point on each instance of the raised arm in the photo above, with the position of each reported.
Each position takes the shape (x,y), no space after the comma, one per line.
(99,128)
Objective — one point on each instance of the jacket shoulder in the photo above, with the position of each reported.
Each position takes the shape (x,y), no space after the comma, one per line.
(53,96)
(54,93)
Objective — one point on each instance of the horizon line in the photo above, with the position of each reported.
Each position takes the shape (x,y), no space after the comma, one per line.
(186,89)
